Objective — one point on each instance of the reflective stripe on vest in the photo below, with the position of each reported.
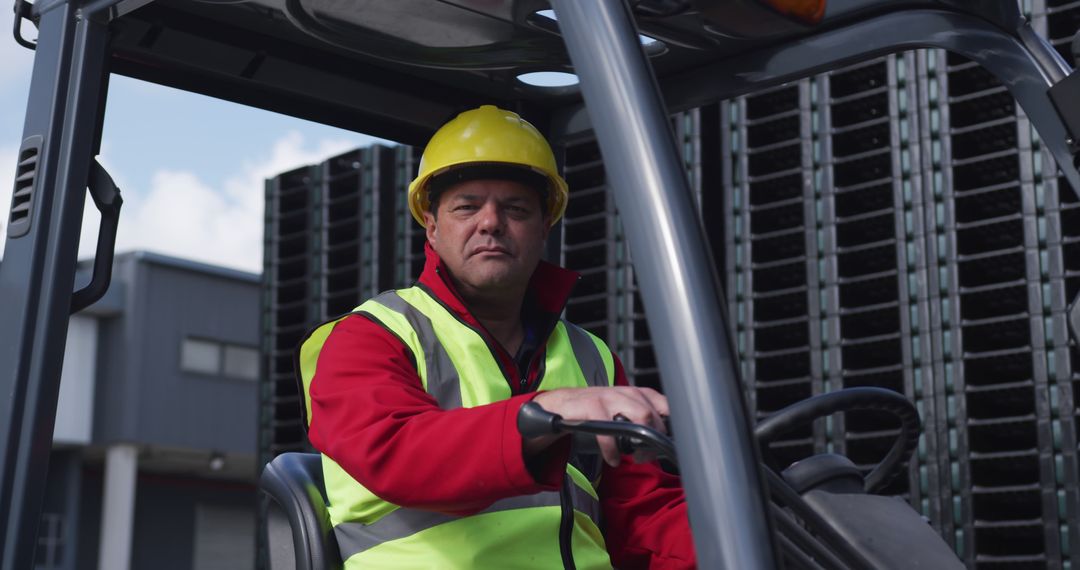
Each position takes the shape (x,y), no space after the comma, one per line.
(354,538)
(457,367)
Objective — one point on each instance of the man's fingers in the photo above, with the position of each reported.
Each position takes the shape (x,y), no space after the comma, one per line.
(647,407)
(657,400)
(608,450)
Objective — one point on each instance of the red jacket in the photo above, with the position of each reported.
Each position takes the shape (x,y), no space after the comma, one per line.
(370,414)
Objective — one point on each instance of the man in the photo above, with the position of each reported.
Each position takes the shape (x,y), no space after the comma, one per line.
(413,397)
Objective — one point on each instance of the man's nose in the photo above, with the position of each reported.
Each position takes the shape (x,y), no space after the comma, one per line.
(490,218)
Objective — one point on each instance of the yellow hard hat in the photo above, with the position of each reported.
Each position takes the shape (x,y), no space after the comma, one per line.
(487,135)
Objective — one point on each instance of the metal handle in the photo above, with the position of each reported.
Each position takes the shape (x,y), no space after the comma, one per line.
(535,421)
(107,199)
(23,12)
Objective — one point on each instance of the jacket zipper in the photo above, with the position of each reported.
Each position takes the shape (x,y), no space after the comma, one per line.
(566,524)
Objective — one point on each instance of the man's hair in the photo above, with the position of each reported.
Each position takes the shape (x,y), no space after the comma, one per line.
(486,171)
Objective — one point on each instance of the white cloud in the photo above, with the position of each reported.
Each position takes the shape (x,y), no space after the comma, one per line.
(184,216)
(14,59)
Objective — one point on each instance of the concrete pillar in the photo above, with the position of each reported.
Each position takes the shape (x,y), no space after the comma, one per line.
(118,507)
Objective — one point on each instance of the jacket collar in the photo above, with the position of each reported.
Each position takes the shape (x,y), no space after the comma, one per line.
(549,287)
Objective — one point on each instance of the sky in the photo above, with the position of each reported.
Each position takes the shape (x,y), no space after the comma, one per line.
(190,168)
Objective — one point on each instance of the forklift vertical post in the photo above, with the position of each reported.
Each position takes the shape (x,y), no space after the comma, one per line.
(719,459)
(38,272)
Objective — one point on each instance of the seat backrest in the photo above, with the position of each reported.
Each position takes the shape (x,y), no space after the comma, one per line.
(300,535)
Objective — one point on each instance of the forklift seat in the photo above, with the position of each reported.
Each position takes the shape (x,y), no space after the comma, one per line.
(299,533)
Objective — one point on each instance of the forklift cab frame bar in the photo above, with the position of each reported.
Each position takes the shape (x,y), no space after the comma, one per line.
(628,116)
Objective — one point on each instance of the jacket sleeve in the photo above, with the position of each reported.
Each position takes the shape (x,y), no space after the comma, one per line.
(370,414)
(645,515)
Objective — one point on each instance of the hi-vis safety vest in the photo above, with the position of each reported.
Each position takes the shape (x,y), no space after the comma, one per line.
(457,367)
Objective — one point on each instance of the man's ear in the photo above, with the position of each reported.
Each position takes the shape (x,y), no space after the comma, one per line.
(429,227)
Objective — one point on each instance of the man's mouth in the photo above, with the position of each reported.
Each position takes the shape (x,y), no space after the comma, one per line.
(490,249)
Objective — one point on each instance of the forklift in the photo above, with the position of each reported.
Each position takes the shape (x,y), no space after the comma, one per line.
(399,69)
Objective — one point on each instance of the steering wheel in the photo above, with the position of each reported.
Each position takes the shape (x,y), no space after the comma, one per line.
(847,400)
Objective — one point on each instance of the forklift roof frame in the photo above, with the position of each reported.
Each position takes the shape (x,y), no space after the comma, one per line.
(81,43)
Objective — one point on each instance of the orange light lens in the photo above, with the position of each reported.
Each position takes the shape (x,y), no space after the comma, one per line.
(808,11)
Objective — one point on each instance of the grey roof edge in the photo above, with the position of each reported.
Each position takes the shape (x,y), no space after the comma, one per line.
(144,256)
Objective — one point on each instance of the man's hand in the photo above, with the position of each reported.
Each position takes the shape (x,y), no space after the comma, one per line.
(640,405)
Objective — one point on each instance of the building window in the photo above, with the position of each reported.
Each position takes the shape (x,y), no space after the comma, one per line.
(219,359)
(200,356)
(241,362)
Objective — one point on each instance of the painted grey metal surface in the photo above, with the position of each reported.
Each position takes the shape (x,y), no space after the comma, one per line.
(679,287)
(37,277)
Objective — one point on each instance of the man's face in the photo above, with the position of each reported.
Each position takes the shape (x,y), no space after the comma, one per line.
(489,233)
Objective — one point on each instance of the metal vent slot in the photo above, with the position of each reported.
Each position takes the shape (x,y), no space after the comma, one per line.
(780,337)
(985,140)
(774,130)
(1005,367)
(779,247)
(871,354)
(993,203)
(891,377)
(1011,544)
(776,218)
(776,189)
(784,367)
(875,167)
(1003,434)
(991,235)
(866,229)
(864,108)
(860,140)
(293,246)
(1004,469)
(772,102)
(994,301)
(776,391)
(868,76)
(779,277)
(1019,502)
(296,222)
(853,201)
(988,172)
(291,270)
(774,160)
(585,230)
(992,106)
(782,306)
(868,290)
(997,335)
(1016,399)
(870,323)
(22,196)
(867,259)
(985,270)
